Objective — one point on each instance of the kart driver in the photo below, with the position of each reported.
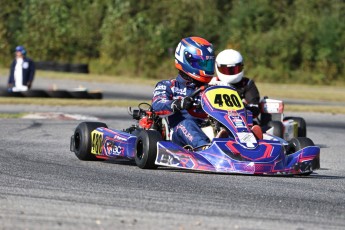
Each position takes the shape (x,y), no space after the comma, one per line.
(194,58)
(229,68)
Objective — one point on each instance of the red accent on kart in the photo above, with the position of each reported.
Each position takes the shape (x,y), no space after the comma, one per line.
(233,149)
(145,122)
(195,114)
(102,157)
(165,112)
(267,152)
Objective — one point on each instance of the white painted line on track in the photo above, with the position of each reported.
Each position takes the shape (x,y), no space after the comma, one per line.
(59,116)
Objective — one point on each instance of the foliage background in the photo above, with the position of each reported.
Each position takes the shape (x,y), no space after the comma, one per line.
(281,40)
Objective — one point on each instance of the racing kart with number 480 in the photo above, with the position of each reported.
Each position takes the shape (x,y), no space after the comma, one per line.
(148,143)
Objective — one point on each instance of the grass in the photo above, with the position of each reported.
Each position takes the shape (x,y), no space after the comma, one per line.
(94,78)
(69,102)
(318,109)
(275,91)
(305,92)
(11,115)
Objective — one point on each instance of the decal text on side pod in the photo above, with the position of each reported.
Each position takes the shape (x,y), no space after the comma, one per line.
(96,142)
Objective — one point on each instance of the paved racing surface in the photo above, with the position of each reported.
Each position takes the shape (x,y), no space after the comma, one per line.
(44,186)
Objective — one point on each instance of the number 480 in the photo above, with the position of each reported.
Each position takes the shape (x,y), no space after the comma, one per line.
(230,100)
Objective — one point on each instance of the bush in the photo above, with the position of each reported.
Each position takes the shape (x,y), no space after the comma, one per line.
(281,41)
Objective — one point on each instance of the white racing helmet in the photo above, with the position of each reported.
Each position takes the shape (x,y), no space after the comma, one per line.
(229,66)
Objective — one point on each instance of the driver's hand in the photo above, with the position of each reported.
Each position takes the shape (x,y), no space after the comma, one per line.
(180,104)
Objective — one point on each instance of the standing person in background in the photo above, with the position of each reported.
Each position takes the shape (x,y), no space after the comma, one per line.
(22,71)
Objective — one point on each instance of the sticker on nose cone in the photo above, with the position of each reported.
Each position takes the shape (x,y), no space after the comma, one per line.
(248,139)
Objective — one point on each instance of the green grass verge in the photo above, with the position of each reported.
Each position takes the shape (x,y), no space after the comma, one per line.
(69,102)
(11,115)
(318,109)
(305,92)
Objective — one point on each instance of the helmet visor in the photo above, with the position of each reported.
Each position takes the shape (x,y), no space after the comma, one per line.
(199,62)
(230,69)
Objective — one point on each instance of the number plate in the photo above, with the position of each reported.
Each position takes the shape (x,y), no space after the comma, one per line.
(96,142)
(224,99)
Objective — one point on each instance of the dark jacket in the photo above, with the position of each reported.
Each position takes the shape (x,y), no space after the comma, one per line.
(247,90)
(28,71)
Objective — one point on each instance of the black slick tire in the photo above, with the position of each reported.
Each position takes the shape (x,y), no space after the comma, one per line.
(95,95)
(82,140)
(298,143)
(59,94)
(79,94)
(35,93)
(146,148)
(5,93)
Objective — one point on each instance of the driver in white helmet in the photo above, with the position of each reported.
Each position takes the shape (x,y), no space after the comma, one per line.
(229,69)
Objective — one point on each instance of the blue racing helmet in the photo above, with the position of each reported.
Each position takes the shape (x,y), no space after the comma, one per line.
(195,57)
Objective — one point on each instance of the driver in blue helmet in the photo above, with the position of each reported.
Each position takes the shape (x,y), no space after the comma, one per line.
(194,59)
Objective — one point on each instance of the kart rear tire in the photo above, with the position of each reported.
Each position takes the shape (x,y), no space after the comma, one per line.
(6,93)
(298,143)
(35,93)
(79,94)
(278,128)
(146,149)
(59,94)
(302,125)
(82,140)
(95,95)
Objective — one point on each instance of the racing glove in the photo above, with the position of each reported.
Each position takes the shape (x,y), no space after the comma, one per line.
(180,104)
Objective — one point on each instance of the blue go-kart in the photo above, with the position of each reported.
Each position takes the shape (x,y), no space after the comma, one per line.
(242,150)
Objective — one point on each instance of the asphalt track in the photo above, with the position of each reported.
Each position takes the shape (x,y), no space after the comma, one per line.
(44,186)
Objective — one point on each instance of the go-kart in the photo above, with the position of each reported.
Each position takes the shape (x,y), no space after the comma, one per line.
(241,151)
(273,122)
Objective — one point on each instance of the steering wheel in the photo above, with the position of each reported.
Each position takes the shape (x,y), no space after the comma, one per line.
(193,95)
(197,91)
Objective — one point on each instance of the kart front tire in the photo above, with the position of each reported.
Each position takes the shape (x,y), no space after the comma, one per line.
(298,143)
(82,140)
(146,149)
(302,125)
(278,128)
